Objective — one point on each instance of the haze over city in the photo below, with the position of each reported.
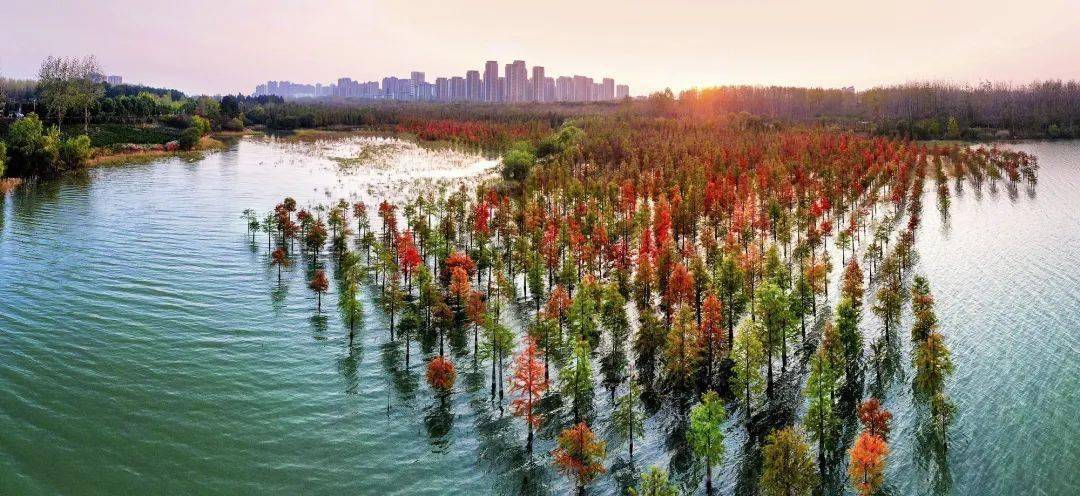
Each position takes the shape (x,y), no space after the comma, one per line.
(229,47)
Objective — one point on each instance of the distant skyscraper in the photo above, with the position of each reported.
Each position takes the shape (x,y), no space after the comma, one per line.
(622,91)
(472,86)
(564,89)
(583,89)
(491,81)
(442,89)
(538,83)
(417,79)
(457,89)
(607,89)
(114,80)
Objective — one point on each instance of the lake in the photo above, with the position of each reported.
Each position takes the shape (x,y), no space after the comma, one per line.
(146,346)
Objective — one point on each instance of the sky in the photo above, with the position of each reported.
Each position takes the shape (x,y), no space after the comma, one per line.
(229,46)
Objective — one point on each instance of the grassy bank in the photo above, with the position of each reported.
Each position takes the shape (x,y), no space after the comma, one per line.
(111,157)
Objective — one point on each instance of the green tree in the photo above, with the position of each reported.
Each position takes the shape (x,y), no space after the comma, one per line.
(517,163)
(628,419)
(577,381)
(952,129)
(706,433)
(748,357)
(851,339)
(774,313)
(614,320)
(654,483)
(821,420)
(787,467)
(73,152)
(730,281)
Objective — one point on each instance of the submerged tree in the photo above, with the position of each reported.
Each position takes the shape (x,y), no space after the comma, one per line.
(579,455)
(441,374)
(628,419)
(875,418)
(748,357)
(867,466)
(319,284)
(787,467)
(706,433)
(279,259)
(654,482)
(577,381)
(529,384)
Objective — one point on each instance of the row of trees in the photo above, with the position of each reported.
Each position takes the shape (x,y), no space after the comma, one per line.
(715,235)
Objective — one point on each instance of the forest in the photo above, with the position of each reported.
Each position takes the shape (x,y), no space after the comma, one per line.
(677,268)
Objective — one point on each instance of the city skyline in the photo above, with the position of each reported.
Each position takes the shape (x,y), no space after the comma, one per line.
(688,44)
(514,86)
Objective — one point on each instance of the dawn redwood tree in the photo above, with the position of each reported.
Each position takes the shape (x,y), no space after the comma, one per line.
(628,419)
(712,333)
(748,358)
(529,384)
(787,467)
(706,433)
(577,381)
(682,350)
(867,465)
(821,420)
(441,374)
(580,455)
(654,482)
(319,284)
(279,259)
(875,418)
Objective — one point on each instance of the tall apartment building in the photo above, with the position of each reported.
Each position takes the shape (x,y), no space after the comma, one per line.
(472,86)
(583,89)
(517,76)
(457,89)
(491,81)
(564,88)
(607,89)
(622,91)
(442,89)
(538,83)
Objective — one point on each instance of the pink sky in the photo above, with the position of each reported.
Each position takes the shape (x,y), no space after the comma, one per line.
(227,46)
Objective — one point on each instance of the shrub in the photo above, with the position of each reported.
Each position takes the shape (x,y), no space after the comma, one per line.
(518,162)
(73,152)
(189,138)
(200,124)
(234,124)
(177,121)
(3,157)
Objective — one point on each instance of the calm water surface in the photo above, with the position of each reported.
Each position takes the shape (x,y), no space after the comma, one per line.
(147,348)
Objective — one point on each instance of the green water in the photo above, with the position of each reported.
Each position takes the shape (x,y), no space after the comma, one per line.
(146,346)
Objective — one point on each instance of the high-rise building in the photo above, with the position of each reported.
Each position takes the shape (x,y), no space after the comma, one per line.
(583,89)
(549,89)
(521,80)
(114,80)
(622,91)
(607,89)
(457,89)
(416,78)
(538,83)
(491,81)
(442,89)
(472,86)
(564,88)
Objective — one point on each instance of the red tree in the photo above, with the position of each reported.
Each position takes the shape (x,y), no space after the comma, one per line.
(529,384)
